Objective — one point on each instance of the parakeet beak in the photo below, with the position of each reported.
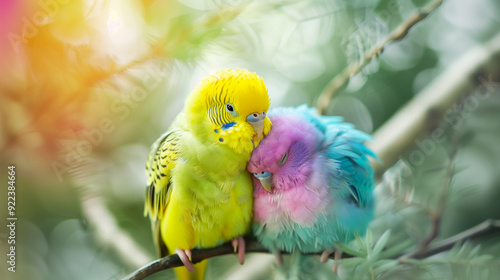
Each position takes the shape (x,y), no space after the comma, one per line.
(266,180)
(267,183)
(256,120)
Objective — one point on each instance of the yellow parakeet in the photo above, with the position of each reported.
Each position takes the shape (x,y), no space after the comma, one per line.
(199,194)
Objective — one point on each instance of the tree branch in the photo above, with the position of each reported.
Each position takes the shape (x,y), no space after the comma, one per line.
(399,33)
(486,227)
(422,114)
(109,233)
(437,216)
(171,261)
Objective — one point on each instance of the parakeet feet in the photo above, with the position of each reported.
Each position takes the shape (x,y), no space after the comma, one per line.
(185,256)
(239,246)
(336,257)
(279,258)
(325,255)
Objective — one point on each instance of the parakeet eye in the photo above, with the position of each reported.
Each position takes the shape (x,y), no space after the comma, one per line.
(263,174)
(283,159)
(231,110)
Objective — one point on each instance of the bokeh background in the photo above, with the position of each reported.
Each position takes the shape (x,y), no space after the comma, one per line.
(87,86)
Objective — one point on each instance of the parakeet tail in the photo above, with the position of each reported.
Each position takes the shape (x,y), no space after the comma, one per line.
(198,274)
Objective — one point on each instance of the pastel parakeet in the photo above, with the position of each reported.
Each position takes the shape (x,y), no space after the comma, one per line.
(199,193)
(313,183)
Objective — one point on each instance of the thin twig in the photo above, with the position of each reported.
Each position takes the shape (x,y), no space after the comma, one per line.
(436,217)
(484,228)
(399,33)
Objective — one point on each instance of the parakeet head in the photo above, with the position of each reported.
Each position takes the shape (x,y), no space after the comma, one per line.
(281,160)
(233,105)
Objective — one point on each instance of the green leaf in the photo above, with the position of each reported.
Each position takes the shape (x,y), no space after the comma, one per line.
(463,252)
(385,266)
(482,259)
(351,261)
(455,249)
(361,244)
(474,252)
(369,239)
(414,261)
(396,249)
(381,243)
(349,250)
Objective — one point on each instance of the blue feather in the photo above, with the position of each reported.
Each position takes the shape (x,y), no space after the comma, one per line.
(351,183)
(228,125)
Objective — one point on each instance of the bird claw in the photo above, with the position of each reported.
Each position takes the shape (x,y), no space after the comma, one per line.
(234,242)
(325,255)
(239,246)
(336,258)
(186,258)
(279,258)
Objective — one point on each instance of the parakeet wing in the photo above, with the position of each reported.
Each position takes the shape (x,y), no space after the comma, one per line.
(344,144)
(162,158)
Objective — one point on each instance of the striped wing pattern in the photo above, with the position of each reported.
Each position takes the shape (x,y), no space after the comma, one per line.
(162,159)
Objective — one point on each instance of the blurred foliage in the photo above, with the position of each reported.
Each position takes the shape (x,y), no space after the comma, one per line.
(86,86)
